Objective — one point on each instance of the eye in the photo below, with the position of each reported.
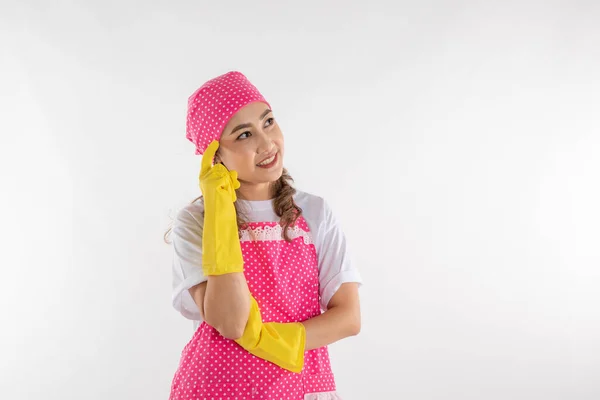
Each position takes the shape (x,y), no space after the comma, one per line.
(245,133)
(272,121)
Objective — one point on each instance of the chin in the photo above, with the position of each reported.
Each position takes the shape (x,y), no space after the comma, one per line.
(270,176)
(275,175)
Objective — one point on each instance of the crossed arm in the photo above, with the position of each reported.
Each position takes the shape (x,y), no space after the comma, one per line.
(224,303)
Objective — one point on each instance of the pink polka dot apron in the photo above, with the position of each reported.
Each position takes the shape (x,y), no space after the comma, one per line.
(284,279)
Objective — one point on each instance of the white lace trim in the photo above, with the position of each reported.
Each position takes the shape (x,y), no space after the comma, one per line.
(274,233)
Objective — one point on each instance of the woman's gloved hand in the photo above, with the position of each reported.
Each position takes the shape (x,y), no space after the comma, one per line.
(221,249)
(280,343)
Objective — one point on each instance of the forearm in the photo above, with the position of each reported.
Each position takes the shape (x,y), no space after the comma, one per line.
(334,324)
(227,304)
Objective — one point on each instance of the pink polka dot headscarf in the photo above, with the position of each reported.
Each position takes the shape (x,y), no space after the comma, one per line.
(213,105)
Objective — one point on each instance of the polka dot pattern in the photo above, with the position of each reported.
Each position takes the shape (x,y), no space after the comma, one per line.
(283,277)
(213,105)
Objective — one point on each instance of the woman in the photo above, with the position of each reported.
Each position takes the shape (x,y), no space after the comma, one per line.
(256,261)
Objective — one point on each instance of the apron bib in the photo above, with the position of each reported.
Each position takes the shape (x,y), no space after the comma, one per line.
(283,277)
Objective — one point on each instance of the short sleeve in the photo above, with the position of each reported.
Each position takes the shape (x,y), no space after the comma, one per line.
(335,264)
(187,260)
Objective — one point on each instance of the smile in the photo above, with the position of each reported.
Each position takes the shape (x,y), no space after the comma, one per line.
(269,162)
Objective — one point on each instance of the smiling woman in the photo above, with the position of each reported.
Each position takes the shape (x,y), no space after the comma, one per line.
(252,145)
(262,267)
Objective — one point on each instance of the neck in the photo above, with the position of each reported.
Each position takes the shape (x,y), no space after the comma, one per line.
(255,192)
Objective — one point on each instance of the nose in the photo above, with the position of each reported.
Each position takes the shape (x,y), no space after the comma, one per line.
(265,143)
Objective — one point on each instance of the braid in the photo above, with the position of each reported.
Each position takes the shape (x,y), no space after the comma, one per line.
(283,203)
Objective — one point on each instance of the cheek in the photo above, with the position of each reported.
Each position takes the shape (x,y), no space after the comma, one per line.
(278,139)
(242,161)
(233,156)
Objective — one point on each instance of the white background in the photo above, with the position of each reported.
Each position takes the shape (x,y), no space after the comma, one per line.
(458,142)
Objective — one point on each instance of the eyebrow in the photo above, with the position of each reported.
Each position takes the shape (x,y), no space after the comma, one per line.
(247,125)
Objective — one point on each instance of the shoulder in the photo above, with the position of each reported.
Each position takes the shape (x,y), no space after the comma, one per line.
(308,201)
(190,214)
(315,209)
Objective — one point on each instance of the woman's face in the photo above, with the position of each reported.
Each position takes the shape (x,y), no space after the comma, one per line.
(250,140)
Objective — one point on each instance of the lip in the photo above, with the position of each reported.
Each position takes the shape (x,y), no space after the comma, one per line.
(267,157)
(272,164)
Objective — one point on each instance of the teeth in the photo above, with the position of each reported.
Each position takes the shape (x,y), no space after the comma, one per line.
(267,161)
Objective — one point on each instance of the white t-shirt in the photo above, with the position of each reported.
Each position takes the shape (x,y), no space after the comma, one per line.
(335,266)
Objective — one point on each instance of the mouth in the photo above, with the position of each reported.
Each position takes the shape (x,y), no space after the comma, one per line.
(269,162)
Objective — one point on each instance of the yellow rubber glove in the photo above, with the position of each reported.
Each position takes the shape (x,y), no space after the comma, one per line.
(280,343)
(221,249)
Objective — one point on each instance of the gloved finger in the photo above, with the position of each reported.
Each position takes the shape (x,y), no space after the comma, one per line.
(234,179)
(235,184)
(208,156)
